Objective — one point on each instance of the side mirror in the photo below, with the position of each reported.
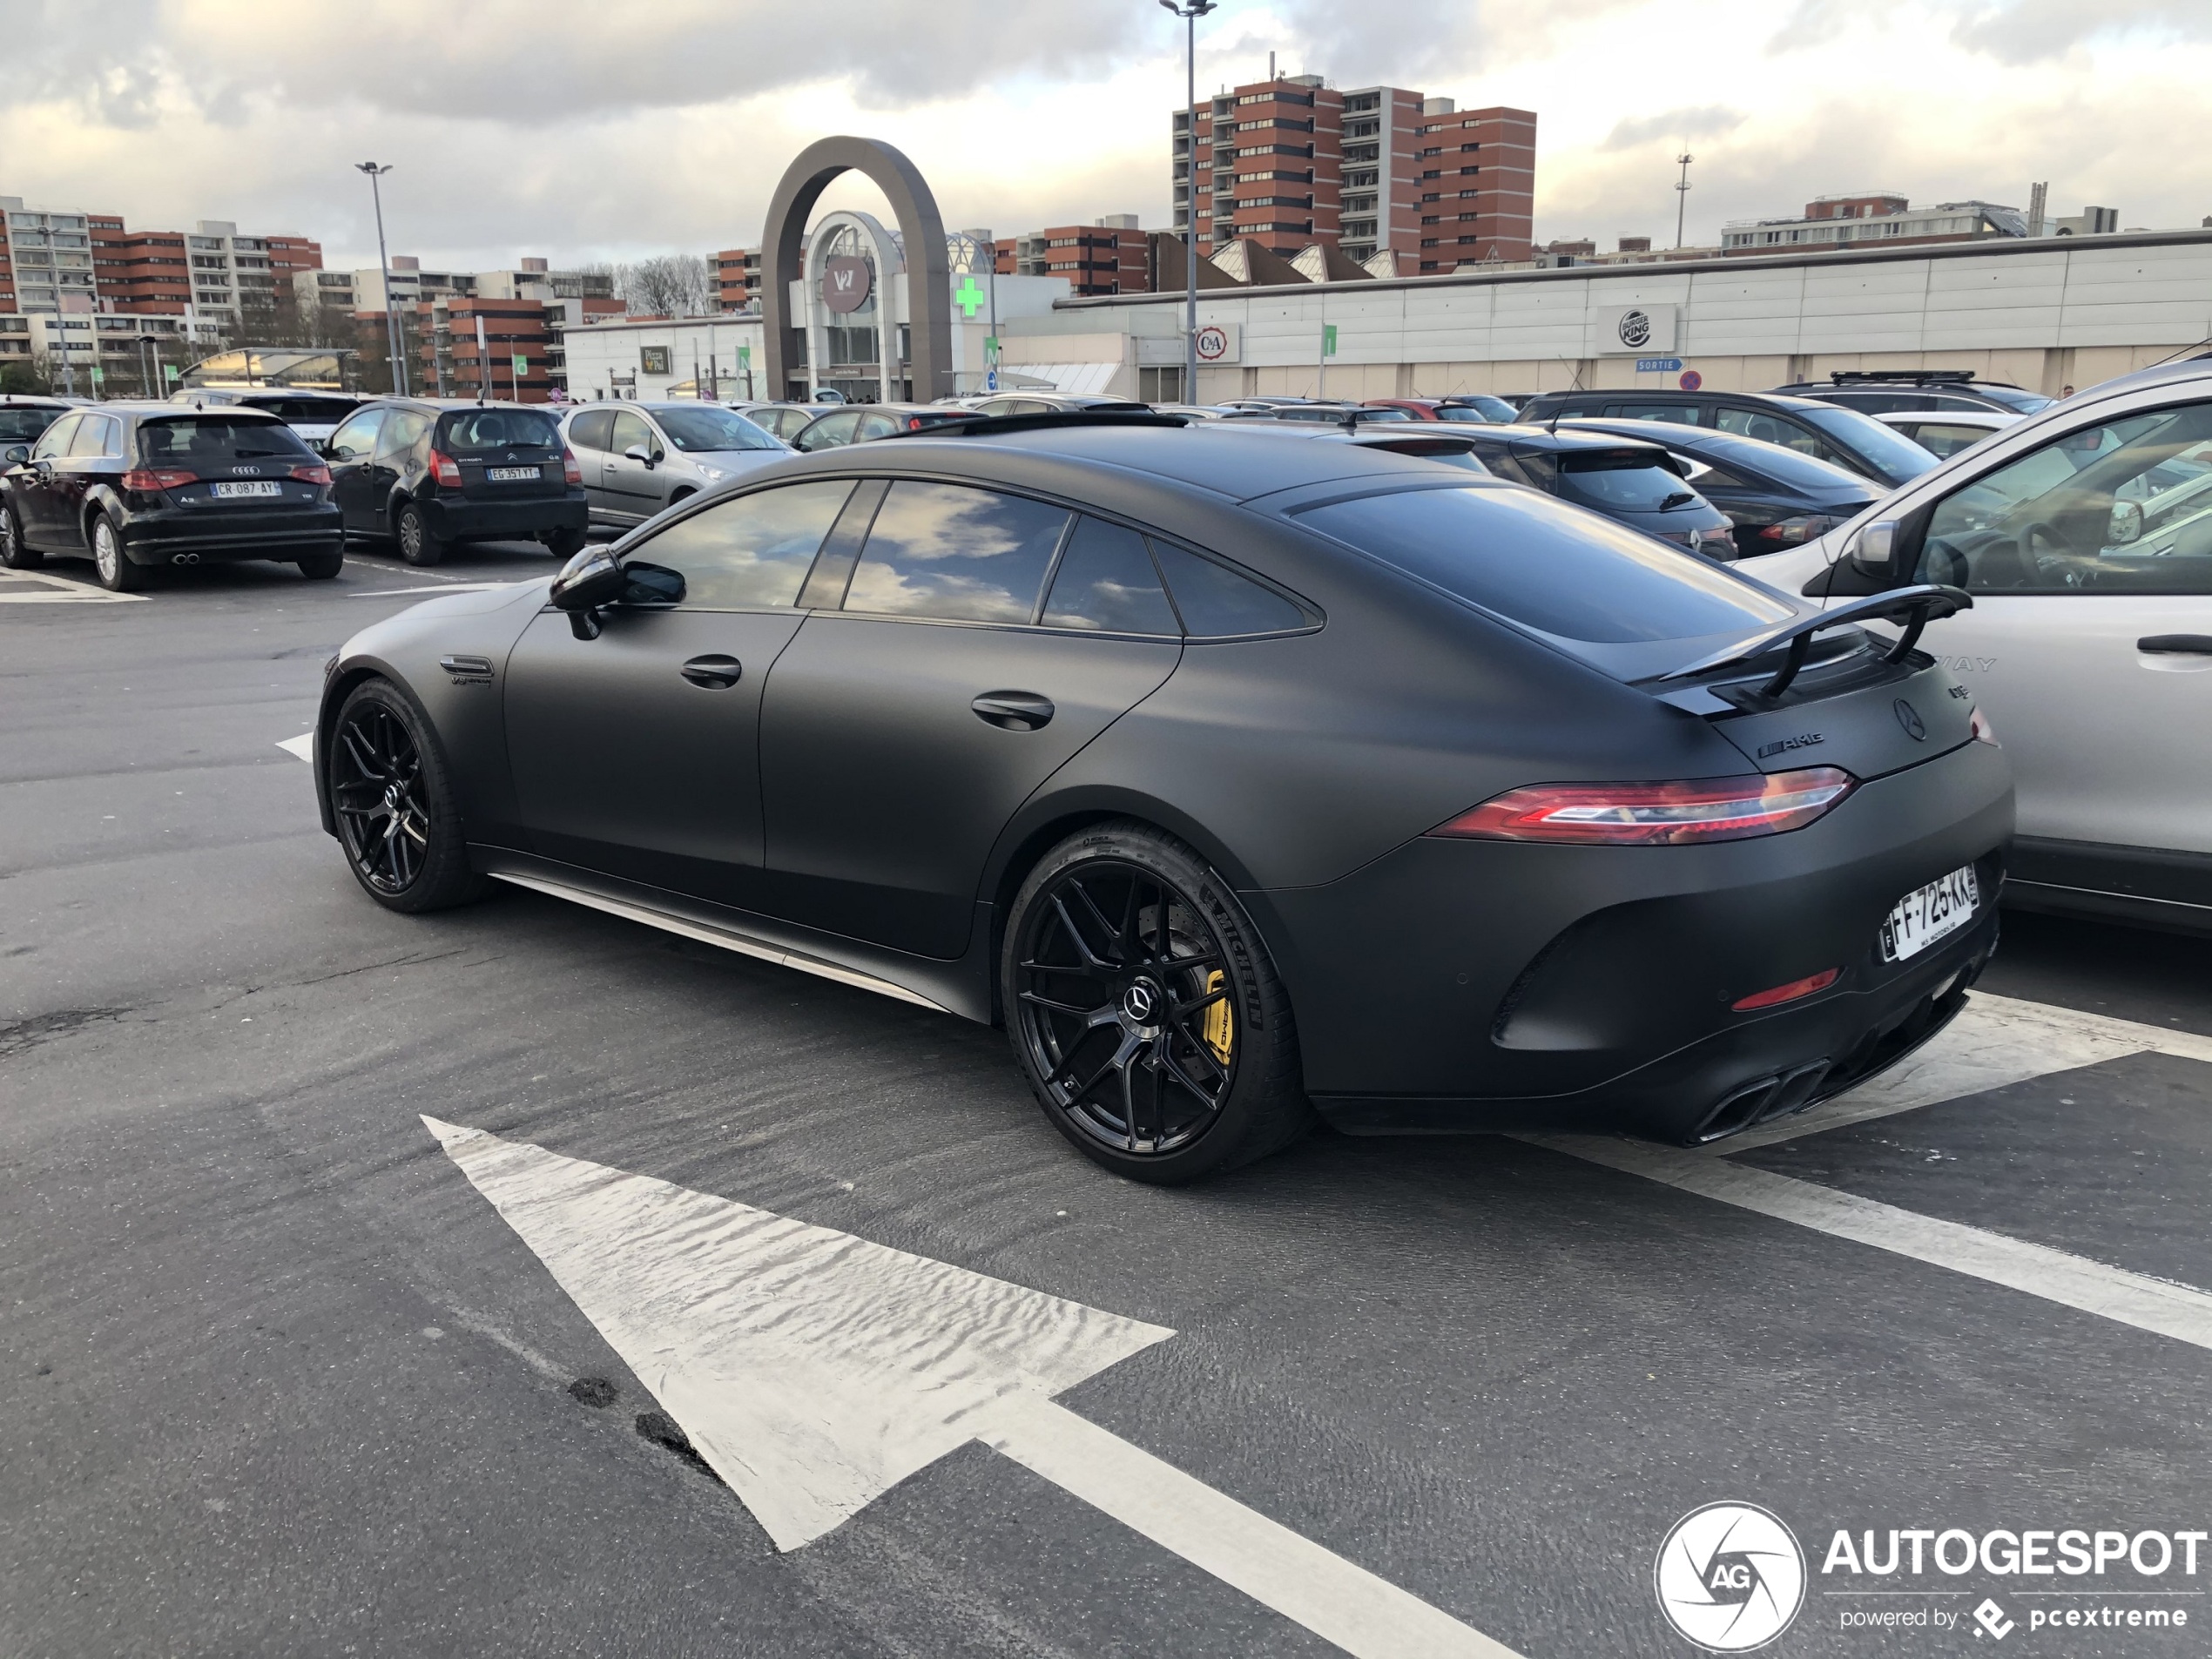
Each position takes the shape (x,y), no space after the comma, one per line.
(638,452)
(2127,523)
(1874,550)
(19,453)
(592,578)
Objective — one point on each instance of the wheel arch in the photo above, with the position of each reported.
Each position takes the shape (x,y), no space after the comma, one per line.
(1043,825)
(335,690)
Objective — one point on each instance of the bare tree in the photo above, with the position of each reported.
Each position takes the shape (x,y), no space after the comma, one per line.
(669,285)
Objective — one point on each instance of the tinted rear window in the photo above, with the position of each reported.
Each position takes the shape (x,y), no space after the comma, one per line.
(474,430)
(22,425)
(215,437)
(1631,480)
(1548,566)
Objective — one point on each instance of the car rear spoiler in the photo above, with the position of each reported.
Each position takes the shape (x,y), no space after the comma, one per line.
(986,425)
(1915,607)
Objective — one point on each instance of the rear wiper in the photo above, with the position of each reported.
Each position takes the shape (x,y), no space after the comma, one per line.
(1680,498)
(1915,606)
(240,454)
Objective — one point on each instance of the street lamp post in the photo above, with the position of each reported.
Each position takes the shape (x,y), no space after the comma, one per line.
(1190,11)
(392,334)
(1682,194)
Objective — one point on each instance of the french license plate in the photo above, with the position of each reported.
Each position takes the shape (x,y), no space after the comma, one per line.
(510,474)
(1919,919)
(241,492)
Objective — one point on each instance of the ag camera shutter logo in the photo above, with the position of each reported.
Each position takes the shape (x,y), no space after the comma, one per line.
(1729,1577)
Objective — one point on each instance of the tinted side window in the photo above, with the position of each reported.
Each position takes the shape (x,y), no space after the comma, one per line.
(592,429)
(1775,428)
(1217,602)
(1106,582)
(401,428)
(755,550)
(355,439)
(962,555)
(829,431)
(96,435)
(2125,507)
(1679,414)
(55,440)
(630,429)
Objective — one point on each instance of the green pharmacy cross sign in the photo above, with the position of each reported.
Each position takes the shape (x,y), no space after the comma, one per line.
(969,297)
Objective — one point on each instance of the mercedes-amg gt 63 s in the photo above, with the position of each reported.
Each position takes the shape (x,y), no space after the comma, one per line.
(1240,779)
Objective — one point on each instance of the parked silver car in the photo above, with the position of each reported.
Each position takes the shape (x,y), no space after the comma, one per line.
(2084,533)
(638,458)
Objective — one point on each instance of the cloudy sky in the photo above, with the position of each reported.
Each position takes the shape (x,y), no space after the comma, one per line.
(589,130)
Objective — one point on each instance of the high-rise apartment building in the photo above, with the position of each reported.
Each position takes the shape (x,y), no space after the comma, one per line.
(737,277)
(46,262)
(1108,256)
(1379,171)
(67,261)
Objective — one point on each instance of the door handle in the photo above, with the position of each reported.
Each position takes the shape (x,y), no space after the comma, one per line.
(2177,644)
(1014,711)
(716,673)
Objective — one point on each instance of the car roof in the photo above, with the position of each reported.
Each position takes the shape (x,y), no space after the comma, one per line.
(1747,451)
(160,409)
(1228,461)
(1957,417)
(31,401)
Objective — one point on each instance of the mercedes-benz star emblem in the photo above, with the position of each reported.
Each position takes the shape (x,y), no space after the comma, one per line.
(1137,1003)
(1909,717)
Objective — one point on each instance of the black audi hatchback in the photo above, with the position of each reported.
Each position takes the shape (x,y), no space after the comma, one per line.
(1238,778)
(427,473)
(138,485)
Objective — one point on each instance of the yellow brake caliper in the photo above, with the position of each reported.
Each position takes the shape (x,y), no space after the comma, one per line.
(1221,1024)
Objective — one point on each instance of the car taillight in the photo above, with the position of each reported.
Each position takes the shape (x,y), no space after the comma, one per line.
(1803,528)
(149,479)
(1978,724)
(1701,809)
(445,469)
(914,423)
(569,470)
(1789,993)
(314,474)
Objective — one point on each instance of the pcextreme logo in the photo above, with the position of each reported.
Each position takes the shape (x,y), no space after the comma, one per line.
(1729,1577)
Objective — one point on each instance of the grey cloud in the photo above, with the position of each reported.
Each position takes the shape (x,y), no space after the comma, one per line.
(542,61)
(2025,31)
(1704,120)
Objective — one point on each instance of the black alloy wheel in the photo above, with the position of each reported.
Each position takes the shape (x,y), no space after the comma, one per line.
(393,807)
(13,554)
(1148,1020)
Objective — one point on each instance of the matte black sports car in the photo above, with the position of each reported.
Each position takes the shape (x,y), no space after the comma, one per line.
(1238,778)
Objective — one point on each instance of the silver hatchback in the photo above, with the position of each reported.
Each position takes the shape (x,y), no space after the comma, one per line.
(638,458)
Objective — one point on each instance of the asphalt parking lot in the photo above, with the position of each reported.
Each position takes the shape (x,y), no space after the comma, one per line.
(288,1376)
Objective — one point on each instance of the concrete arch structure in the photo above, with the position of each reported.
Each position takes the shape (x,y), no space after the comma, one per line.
(929,292)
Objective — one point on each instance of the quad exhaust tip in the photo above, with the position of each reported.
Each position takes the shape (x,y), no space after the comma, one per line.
(184,558)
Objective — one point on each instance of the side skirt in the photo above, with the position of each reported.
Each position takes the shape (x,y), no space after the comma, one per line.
(725,938)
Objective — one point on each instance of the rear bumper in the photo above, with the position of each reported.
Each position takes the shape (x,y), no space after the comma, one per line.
(456,519)
(212,538)
(1476,986)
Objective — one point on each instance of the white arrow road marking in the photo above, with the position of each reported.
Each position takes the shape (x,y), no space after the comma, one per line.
(1995,1040)
(303,745)
(2156,1305)
(436,587)
(813,1371)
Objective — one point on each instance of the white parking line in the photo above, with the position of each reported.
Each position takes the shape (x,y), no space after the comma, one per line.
(303,745)
(440,587)
(814,1370)
(2170,1309)
(38,588)
(1995,1040)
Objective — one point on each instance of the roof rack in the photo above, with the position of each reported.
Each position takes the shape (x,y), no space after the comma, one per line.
(1904,376)
(975,425)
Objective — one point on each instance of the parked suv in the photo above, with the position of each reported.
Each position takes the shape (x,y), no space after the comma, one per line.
(1895,391)
(638,458)
(1825,431)
(2084,533)
(1629,480)
(140,484)
(428,473)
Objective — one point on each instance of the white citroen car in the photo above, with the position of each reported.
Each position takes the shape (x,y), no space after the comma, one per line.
(2084,533)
